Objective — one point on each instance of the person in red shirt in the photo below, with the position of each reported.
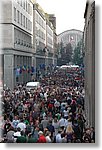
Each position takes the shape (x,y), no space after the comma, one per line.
(42,138)
(50,107)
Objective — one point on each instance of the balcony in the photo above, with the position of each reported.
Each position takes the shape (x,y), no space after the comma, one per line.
(23,45)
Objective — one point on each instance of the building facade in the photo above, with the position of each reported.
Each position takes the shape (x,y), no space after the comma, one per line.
(72,36)
(52,19)
(49,40)
(17,38)
(89,41)
(69,38)
(44,40)
(39,34)
(27,40)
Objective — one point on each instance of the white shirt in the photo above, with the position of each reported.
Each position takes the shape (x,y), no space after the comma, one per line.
(45,95)
(16,134)
(48,140)
(65,113)
(58,138)
(62,122)
(22,126)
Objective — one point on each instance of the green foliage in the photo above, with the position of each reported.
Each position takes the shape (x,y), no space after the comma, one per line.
(78,53)
(65,53)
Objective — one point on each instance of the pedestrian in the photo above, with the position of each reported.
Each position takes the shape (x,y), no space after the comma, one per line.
(48,137)
(51,129)
(15,122)
(58,138)
(42,138)
(10,133)
(17,134)
(22,138)
(22,125)
(55,123)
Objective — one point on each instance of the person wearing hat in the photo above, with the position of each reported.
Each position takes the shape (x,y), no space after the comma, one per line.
(42,138)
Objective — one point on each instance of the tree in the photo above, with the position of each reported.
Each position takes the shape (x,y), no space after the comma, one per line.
(78,53)
(65,53)
(60,48)
(68,52)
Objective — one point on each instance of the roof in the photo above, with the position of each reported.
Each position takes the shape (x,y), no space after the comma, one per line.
(70,30)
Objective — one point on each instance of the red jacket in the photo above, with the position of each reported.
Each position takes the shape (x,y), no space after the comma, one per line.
(42,139)
(50,106)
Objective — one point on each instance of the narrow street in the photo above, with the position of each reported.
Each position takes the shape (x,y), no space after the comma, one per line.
(47,71)
(51,113)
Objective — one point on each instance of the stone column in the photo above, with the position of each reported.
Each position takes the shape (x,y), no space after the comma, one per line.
(22,66)
(34,64)
(27,64)
(9,71)
(15,66)
(24,76)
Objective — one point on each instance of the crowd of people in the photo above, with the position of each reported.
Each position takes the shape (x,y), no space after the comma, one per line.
(52,113)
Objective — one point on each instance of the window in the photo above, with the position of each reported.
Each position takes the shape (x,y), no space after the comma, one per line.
(21,2)
(30,25)
(14,14)
(28,8)
(24,21)
(24,4)
(17,16)
(21,18)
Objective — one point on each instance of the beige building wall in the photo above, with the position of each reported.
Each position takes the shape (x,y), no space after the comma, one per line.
(89,41)
(17,38)
(24,33)
(43,37)
(39,29)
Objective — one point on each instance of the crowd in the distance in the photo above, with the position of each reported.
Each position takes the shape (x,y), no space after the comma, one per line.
(52,113)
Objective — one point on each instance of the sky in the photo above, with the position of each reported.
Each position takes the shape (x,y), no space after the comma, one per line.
(69,13)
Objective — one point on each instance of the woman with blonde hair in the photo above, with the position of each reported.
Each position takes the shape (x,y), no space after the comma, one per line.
(69,131)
